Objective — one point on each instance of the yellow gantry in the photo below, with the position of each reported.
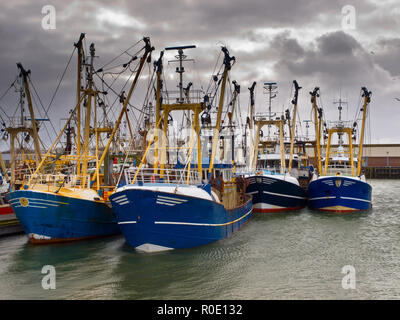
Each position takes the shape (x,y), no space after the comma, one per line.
(196,108)
(259,124)
(347,131)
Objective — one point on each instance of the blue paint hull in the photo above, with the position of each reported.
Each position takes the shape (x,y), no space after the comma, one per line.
(47,217)
(339,194)
(151,224)
(274,195)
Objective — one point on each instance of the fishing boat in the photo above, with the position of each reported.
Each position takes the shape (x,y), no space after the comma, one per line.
(162,208)
(273,187)
(341,186)
(20,130)
(9,223)
(71,204)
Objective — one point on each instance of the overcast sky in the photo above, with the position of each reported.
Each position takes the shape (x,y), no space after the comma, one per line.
(282,40)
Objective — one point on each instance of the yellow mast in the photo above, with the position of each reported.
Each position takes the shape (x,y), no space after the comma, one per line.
(294,101)
(367,99)
(25,75)
(236,92)
(89,93)
(314,96)
(251,120)
(78,45)
(227,63)
(56,141)
(351,152)
(148,49)
(159,68)
(251,123)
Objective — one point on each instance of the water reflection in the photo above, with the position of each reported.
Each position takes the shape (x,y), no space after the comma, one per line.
(296,255)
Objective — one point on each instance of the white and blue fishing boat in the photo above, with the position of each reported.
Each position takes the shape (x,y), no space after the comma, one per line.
(162,208)
(340,186)
(272,180)
(175,215)
(70,204)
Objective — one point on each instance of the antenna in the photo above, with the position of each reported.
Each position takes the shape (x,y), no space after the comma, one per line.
(180,58)
(307,127)
(340,108)
(270,88)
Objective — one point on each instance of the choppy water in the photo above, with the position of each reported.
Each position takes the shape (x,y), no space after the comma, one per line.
(280,256)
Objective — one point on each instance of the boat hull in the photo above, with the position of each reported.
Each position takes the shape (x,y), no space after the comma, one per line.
(275,195)
(9,223)
(156,221)
(339,194)
(48,218)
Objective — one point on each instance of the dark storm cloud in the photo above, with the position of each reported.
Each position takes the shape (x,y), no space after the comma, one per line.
(388,56)
(272,40)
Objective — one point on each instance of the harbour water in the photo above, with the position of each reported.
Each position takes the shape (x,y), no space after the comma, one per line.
(274,256)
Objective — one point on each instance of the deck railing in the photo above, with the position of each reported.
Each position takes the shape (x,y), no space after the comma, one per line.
(336,171)
(147,175)
(59,180)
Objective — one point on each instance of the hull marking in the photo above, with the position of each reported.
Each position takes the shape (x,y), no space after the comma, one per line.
(284,195)
(203,224)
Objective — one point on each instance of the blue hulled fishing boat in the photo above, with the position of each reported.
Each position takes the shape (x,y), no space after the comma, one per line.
(70,204)
(162,208)
(340,186)
(165,216)
(272,180)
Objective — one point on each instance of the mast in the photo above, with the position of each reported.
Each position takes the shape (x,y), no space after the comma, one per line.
(367,99)
(227,67)
(78,45)
(148,49)
(252,103)
(159,68)
(187,107)
(89,94)
(251,117)
(314,96)
(270,88)
(25,75)
(230,116)
(294,102)
(340,108)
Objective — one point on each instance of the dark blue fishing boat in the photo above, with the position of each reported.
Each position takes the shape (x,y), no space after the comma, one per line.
(340,186)
(272,180)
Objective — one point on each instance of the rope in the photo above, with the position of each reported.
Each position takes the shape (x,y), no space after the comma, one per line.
(59,83)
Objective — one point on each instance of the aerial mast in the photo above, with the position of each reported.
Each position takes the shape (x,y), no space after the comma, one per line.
(340,108)
(270,90)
